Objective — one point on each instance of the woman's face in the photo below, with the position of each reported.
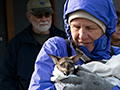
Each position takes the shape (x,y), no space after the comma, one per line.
(85,32)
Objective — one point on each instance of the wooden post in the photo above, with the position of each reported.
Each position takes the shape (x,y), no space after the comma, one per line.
(10,19)
(54,14)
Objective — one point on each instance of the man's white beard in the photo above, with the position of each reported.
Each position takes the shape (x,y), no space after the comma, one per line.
(44,28)
(40,28)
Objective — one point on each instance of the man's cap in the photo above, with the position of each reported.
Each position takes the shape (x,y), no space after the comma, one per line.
(39,6)
(84,14)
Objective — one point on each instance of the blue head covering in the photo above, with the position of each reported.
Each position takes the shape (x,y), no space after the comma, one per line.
(102,10)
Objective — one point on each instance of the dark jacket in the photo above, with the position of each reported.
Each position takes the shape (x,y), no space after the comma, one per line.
(18,64)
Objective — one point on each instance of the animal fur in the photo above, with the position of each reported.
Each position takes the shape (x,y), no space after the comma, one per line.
(66,64)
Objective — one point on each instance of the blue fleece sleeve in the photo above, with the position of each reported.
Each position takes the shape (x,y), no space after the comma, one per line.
(44,65)
(116,88)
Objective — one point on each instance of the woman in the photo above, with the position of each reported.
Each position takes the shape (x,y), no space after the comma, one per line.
(90,24)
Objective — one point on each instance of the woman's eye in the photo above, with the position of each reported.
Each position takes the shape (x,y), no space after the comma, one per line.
(78,27)
(75,26)
(88,28)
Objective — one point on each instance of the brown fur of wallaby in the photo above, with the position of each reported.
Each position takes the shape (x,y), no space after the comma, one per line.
(66,64)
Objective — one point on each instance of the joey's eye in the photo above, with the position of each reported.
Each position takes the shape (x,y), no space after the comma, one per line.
(61,64)
(71,63)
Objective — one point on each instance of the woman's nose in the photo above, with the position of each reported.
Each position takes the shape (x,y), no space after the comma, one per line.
(82,33)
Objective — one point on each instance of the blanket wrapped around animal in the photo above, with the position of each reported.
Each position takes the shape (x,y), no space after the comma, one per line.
(110,70)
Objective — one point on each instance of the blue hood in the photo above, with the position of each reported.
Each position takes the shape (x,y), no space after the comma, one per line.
(102,10)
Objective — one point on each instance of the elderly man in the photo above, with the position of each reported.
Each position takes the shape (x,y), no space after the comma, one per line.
(18,64)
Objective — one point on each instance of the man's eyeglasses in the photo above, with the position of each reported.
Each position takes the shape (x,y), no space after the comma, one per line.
(47,15)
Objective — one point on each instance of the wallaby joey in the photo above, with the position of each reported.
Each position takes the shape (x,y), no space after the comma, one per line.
(66,64)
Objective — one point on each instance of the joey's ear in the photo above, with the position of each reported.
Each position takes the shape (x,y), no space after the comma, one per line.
(55,58)
(75,58)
